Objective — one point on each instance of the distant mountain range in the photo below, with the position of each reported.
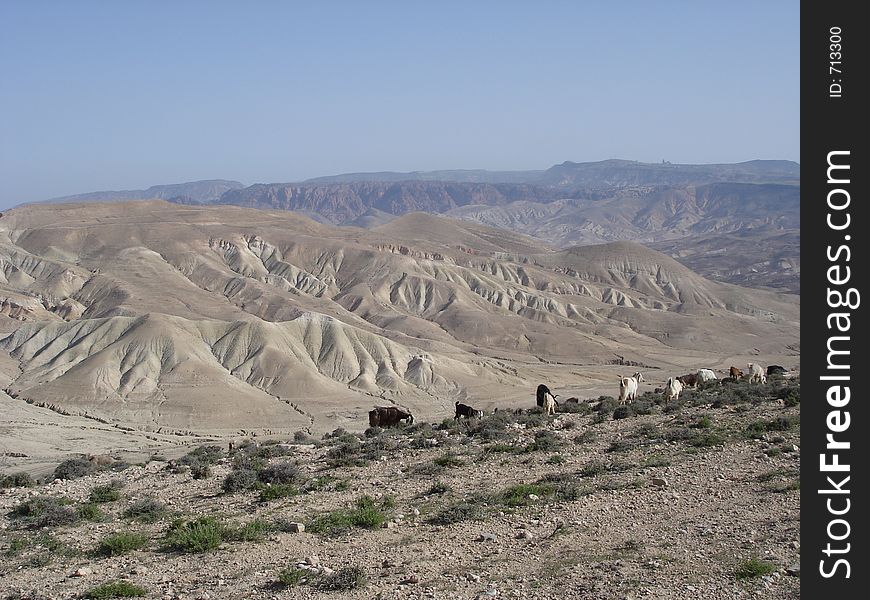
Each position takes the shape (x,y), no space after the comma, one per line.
(207,190)
(748,213)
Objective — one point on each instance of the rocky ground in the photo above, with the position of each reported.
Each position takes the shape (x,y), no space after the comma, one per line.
(699,499)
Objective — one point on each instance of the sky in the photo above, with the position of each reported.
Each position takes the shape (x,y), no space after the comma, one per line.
(100,95)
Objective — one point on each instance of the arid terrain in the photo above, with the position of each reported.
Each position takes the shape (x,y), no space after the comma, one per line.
(214,367)
(697,498)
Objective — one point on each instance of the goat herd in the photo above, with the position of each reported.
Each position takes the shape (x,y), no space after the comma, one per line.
(389,416)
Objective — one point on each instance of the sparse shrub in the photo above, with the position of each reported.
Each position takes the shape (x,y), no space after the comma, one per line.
(283,473)
(365,514)
(254,531)
(106,493)
(291,576)
(518,495)
(499,448)
(706,439)
(753,567)
(556,459)
(704,422)
(545,441)
(620,446)
(458,512)
(586,437)
(90,512)
(45,511)
(624,411)
(200,471)
(344,579)
(302,437)
(346,453)
(448,460)
(146,510)
(439,487)
(593,468)
(74,468)
(15,480)
(200,535)
(121,543)
(757,429)
(278,491)
(577,408)
(116,589)
(17,545)
(206,455)
(239,480)
(790,394)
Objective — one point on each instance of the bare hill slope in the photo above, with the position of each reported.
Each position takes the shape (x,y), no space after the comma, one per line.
(173,317)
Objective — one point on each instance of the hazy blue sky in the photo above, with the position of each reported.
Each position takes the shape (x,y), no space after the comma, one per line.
(123,95)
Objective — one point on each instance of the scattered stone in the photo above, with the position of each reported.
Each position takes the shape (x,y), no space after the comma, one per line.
(794,570)
(534,497)
(486,537)
(327,571)
(313,560)
(525,535)
(472,577)
(139,570)
(390,525)
(795,545)
(296,527)
(412,579)
(659,481)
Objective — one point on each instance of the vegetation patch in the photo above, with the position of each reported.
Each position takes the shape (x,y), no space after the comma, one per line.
(146,510)
(45,511)
(752,568)
(365,514)
(16,480)
(121,543)
(102,494)
(74,468)
(458,512)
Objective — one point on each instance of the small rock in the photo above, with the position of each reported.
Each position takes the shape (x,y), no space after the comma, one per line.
(416,512)
(486,537)
(659,481)
(313,560)
(794,545)
(525,535)
(327,571)
(387,564)
(139,570)
(410,580)
(296,527)
(472,577)
(390,525)
(794,570)
(83,572)
(534,497)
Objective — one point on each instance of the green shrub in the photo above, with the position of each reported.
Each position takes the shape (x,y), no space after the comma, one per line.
(199,535)
(106,493)
(203,455)
(753,567)
(448,460)
(499,448)
(15,480)
(200,471)
(278,491)
(593,468)
(459,512)
(45,511)
(365,514)
(90,512)
(291,576)
(518,495)
(556,459)
(623,412)
(704,422)
(281,473)
(254,531)
(121,543)
(116,589)
(74,468)
(344,579)
(240,480)
(146,510)
(586,437)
